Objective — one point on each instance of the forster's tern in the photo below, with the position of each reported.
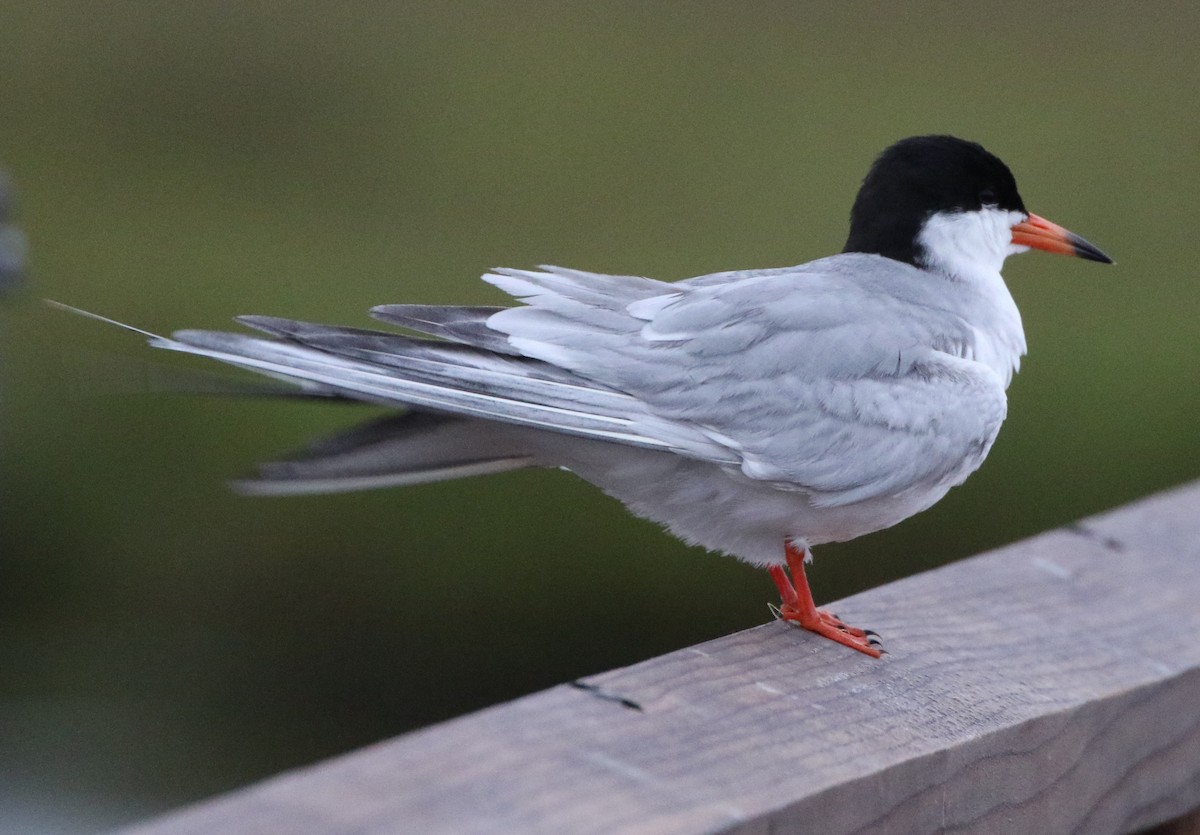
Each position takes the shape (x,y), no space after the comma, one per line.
(755,412)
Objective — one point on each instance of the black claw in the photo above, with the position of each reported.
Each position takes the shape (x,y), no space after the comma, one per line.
(875,641)
(871,632)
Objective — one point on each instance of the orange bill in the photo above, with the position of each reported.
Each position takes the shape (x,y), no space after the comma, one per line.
(1039,233)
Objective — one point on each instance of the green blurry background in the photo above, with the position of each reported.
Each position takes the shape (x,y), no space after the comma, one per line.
(162,639)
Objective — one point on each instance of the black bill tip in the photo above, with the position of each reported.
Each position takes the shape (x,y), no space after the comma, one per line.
(1088,251)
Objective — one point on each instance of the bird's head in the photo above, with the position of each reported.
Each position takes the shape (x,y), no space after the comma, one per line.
(948,205)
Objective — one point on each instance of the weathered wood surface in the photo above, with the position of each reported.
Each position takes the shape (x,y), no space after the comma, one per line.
(1050,686)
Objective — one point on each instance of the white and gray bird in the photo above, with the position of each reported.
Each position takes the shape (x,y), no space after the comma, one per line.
(755,412)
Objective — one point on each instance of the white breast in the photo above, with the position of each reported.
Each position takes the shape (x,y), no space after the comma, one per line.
(970,248)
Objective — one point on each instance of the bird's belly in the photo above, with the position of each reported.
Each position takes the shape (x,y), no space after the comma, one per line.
(723,510)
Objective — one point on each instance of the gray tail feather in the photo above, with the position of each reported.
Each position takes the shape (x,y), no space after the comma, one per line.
(412,448)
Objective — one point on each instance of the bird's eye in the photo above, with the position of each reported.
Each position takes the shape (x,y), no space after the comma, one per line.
(987,197)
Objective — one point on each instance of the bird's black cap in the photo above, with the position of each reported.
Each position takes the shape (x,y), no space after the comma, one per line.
(918,177)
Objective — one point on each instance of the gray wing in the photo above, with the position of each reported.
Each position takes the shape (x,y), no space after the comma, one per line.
(806,377)
(817,380)
(442,377)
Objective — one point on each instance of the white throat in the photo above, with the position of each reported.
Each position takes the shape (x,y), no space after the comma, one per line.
(970,247)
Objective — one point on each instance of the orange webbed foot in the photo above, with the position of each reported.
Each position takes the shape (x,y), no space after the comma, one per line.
(798,608)
(832,627)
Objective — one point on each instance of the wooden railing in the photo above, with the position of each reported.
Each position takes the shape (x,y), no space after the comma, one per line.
(1050,686)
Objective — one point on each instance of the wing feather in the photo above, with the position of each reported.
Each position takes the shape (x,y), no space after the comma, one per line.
(820,377)
(846,378)
(411,448)
(467,325)
(444,378)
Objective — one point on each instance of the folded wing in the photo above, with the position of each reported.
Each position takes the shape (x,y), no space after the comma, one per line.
(843,377)
(818,378)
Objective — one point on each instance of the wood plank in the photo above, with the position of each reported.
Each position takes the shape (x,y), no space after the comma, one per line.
(1050,686)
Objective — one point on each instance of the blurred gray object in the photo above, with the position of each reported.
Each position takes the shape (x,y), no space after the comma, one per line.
(13,246)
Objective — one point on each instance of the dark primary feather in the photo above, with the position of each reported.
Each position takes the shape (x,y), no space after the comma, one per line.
(411,448)
(467,325)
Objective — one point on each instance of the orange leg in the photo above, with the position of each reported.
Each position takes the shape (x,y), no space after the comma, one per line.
(799,608)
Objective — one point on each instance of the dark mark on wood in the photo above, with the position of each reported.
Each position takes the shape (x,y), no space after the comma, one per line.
(608,697)
(1083,529)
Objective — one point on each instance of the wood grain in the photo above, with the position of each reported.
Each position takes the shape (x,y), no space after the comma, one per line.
(1050,686)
